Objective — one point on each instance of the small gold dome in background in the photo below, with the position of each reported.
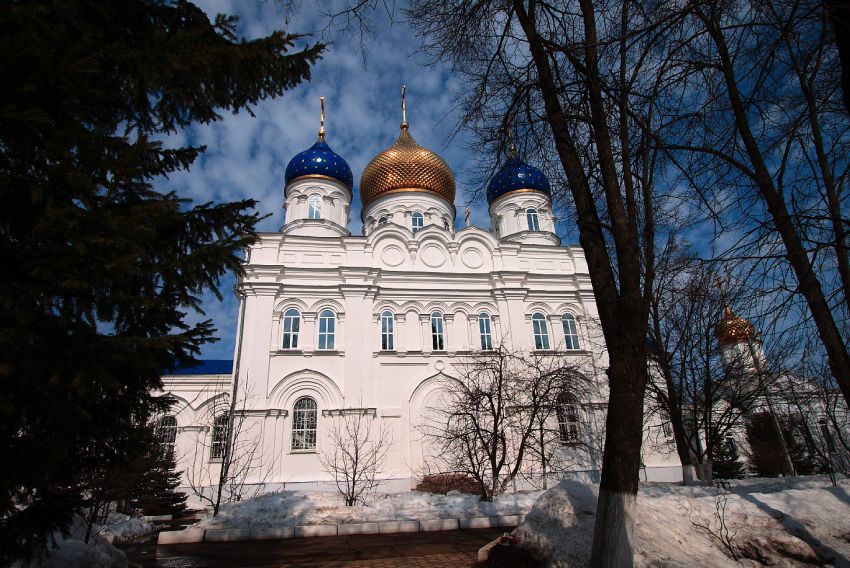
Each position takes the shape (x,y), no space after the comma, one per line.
(733,328)
(406,166)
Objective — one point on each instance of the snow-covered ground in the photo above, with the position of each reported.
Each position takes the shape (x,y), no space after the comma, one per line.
(125,527)
(778,522)
(293,508)
(71,550)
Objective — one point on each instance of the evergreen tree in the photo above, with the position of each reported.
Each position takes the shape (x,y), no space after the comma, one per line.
(767,458)
(156,493)
(726,462)
(99,270)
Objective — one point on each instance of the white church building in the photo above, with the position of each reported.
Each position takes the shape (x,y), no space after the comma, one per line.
(332,322)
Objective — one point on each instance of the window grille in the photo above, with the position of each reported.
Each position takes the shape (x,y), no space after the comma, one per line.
(304,424)
(167,431)
(219,437)
(568,418)
(666,424)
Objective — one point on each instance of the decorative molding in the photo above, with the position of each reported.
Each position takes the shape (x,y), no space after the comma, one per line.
(350,412)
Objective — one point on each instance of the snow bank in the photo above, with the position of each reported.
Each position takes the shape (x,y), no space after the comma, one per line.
(71,551)
(779,522)
(294,508)
(125,527)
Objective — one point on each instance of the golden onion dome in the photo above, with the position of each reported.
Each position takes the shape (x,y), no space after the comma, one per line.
(733,328)
(406,166)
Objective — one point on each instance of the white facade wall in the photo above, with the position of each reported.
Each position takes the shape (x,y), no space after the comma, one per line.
(460,274)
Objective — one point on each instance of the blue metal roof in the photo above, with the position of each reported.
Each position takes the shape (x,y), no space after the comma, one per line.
(514,175)
(319,160)
(205,367)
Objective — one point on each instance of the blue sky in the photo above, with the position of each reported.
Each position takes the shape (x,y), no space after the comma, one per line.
(246,156)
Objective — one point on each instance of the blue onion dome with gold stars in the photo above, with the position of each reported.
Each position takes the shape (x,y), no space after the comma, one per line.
(319,161)
(516,176)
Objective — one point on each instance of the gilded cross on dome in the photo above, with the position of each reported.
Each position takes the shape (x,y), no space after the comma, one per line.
(732,328)
(403,107)
(322,119)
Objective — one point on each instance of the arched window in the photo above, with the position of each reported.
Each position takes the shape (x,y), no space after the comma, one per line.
(570,332)
(387,338)
(291,327)
(382,221)
(219,437)
(731,447)
(533,221)
(438,336)
(327,328)
(417,221)
(166,431)
(828,440)
(484,331)
(446,224)
(314,207)
(666,424)
(541,332)
(304,424)
(568,418)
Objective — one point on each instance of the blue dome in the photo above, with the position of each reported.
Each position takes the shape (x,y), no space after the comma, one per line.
(319,159)
(516,174)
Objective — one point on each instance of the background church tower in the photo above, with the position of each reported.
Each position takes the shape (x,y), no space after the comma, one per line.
(318,191)
(738,344)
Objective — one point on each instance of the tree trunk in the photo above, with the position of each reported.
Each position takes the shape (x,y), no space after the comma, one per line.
(838,13)
(613,541)
(623,312)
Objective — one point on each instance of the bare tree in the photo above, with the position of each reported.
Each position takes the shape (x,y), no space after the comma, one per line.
(489,416)
(224,462)
(766,134)
(354,452)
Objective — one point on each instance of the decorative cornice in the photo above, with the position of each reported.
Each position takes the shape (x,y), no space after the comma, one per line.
(350,412)
(520,190)
(319,177)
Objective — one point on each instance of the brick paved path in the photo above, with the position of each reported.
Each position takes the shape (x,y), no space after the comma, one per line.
(442,549)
